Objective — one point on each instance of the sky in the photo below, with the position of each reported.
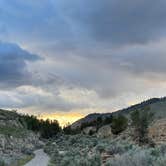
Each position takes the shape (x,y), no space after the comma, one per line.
(65,59)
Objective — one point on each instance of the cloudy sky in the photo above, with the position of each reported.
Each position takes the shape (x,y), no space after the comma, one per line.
(61,58)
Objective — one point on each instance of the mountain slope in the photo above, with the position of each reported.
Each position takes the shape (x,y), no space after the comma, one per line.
(157,107)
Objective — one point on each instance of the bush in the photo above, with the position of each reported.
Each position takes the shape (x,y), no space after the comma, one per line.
(119,124)
(69,131)
(2,163)
(95,160)
(140,158)
(27,151)
(114,149)
(140,121)
(101,147)
(161,161)
(81,150)
(77,160)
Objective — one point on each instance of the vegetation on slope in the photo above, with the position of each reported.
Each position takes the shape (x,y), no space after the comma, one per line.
(83,150)
(141,121)
(157,107)
(13,131)
(17,125)
(119,124)
(47,128)
(97,123)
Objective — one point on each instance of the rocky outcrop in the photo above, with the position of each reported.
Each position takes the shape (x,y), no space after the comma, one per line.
(104,132)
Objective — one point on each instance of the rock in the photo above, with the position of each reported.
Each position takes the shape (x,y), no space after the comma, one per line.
(62,152)
(105,132)
(89,130)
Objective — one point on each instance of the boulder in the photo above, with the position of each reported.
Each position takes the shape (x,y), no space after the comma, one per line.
(89,130)
(104,132)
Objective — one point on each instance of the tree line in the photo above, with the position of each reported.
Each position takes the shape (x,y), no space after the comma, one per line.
(46,128)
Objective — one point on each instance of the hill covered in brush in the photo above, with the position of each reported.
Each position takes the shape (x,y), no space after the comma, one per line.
(157,107)
(131,136)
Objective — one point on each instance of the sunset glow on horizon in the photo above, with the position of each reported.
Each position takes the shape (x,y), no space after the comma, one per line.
(63,118)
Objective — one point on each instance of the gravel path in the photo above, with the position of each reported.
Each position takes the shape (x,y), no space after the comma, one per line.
(40,159)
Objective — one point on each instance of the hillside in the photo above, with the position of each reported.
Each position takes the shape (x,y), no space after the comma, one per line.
(93,141)
(157,107)
(16,142)
(114,139)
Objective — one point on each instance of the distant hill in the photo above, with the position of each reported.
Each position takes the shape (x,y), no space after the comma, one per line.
(157,107)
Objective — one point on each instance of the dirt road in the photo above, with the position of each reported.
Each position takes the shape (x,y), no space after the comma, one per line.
(40,159)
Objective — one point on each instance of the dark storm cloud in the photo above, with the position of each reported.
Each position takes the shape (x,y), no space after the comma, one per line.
(76,23)
(13,64)
(142,59)
(121,22)
(113,48)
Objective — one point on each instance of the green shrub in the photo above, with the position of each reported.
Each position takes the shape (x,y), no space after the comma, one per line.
(77,160)
(2,163)
(140,158)
(161,161)
(119,124)
(81,150)
(140,121)
(100,148)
